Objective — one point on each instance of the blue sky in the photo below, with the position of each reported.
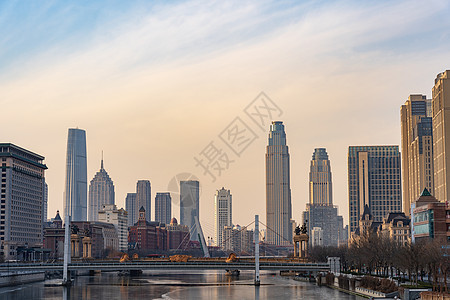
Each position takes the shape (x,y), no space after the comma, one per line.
(155,82)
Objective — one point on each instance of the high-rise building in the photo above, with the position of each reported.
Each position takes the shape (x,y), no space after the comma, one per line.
(223,213)
(190,205)
(441,135)
(278,187)
(130,206)
(75,194)
(373,180)
(101,192)
(45,204)
(118,217)
(163,208)
(417,149)
(22,196)
(144,198)
(320,186)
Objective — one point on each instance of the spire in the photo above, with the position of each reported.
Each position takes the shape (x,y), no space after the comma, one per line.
(101,167)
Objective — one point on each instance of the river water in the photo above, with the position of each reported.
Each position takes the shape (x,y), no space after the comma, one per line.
(177,285)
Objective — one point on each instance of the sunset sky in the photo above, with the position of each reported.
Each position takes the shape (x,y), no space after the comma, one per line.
(154,83)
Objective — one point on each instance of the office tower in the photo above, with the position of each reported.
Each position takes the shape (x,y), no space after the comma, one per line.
(21,196)
(119,218)
(278,188)
(130,206)
(373,180)
(320,188)
(163,208)
(45,203)
(75,194)
(144,198)
(101,192)
(441,135)
(223,213)
(417,149)
(190,206)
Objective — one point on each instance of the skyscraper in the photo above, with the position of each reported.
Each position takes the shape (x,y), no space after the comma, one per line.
(373,180)
(163,208)
(320,215)
(320,188)
(130,206)
(223,213)
(75,194)
(190,205)
(101,192)
(278,187)
(45,204)
(144,198)
(417,149)
(441,135)
(22,195)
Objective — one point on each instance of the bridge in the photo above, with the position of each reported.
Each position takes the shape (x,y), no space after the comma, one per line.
(167,265)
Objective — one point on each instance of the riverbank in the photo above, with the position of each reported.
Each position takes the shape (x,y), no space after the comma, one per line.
(20,278)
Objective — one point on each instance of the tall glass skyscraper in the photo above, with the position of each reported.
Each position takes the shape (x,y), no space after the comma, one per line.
(144,198)
(223,214)
(163,208)
(130,206)
(75,194)
(190,205)
(373,180)
(101,192)
(278,188)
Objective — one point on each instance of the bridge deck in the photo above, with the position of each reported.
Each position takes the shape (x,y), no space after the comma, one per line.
(165,265)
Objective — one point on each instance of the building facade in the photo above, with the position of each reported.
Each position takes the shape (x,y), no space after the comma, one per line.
(396,227)
(238,239)
(75,193)
(417,149)
(163,208)
(119,218)
(147,236)
(278,187)
(430,218)
(144,198)
(101,192)
(222,214)
(22,199)
(373,180)
(441,135)
(190,206)
(317,237)
(325,217)
(178,236)
(130,206)
(320,183)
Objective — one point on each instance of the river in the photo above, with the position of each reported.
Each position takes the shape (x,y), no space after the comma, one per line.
(176,285)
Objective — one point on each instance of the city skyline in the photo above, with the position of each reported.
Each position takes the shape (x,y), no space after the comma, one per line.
(340,59)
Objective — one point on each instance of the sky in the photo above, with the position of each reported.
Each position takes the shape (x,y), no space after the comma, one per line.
(155,83)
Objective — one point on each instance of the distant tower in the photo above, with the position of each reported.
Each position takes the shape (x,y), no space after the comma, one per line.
(144,198)
(441,135)
(45,203)
(320,188)
(223,213)
(278,187)
(417,149)
(190,205)
(373,180)
(75,194)
(131,207)
(101,192)
(163,208)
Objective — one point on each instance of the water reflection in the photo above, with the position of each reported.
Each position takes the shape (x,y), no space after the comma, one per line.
(176,285)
